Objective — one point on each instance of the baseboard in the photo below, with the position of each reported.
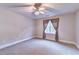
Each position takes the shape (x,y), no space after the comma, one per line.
(13,43)
(68,42)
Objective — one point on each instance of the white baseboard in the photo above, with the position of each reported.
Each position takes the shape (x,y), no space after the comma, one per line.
(68,42)
(13,43)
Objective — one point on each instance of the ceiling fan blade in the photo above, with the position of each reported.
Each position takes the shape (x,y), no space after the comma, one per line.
(20,6)
(49,9)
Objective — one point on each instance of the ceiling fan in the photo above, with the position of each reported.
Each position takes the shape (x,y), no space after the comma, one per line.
(36,8)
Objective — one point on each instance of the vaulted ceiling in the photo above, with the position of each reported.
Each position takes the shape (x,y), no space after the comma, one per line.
(56,9)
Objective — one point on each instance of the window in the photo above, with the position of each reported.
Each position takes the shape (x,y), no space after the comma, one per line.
(50,28)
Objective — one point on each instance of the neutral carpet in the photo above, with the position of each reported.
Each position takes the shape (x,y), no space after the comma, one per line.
(40,47)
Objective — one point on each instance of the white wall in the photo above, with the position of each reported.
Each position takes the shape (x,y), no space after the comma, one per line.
(77,29)
(14,26)
(39,28)
(66,28)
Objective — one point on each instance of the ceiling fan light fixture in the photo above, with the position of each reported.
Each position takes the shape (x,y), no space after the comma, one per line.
(39,12)
(36,13)
(42,12)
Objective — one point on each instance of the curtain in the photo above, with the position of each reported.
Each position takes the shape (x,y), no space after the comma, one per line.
(55,23)
(45,22)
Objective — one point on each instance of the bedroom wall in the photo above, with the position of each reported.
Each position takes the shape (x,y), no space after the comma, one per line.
(66,28)
(77,29)
(39,28)
(14,26)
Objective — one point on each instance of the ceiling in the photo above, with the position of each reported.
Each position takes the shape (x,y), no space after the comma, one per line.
(56,9)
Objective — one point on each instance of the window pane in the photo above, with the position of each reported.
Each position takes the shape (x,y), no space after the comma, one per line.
(50,28)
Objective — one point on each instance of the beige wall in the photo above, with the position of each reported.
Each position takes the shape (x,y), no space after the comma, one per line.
(39,28)
(66,28)
(14,26)
(77,29)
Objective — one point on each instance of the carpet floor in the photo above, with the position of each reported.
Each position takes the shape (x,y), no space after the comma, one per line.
(40,47)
